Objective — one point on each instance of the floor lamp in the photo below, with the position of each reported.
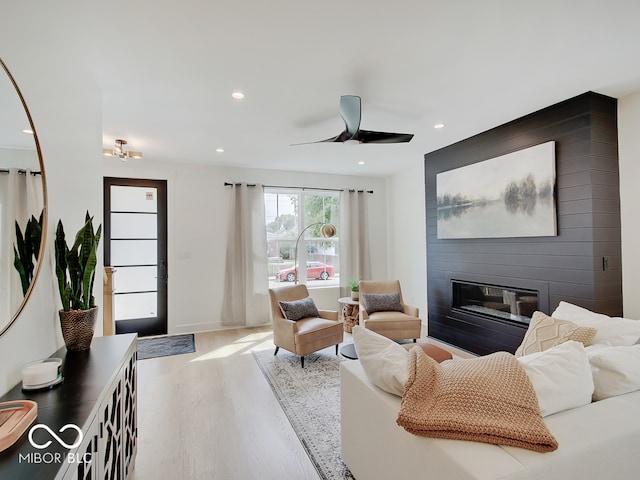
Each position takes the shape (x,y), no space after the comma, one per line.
(327,230)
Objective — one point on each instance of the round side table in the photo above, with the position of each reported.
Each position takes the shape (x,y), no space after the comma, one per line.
(350,312)
(349,351)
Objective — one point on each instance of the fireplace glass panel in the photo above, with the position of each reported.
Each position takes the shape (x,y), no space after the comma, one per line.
(506,303)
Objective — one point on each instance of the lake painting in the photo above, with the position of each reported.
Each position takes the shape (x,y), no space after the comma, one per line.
(507,196)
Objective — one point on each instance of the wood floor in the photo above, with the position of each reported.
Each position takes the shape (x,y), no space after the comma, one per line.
(212,415)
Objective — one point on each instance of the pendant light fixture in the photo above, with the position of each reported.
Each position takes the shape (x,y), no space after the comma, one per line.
(119,151)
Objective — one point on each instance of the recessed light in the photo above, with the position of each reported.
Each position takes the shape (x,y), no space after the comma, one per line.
(238,95)
(220,150)
(27,131)
(438,125)
(361,162)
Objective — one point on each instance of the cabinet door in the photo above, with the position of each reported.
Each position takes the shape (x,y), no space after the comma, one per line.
(110,450)
(130,414)
(84,463)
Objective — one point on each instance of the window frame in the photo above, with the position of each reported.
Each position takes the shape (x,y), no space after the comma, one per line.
(301,214)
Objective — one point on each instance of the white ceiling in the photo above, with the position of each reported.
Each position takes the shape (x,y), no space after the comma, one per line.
(167,71)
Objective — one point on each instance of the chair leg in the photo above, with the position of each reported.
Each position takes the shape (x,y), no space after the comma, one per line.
(337,348)
(276,352)
(302,360)
(415,340)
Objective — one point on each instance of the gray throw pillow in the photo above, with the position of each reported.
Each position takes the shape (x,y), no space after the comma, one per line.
(299,309)
(382,302)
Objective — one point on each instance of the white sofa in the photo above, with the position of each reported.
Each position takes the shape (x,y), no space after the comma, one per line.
(572,358)
(600,440)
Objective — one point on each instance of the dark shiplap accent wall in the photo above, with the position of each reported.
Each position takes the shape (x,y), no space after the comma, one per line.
(571,263)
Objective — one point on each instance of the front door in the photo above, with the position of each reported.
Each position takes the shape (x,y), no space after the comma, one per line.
(135,220)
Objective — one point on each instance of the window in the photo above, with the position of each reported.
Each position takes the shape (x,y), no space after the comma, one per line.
(287,213)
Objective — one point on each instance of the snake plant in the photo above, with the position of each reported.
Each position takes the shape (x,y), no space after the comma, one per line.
(26,250)
(76,266)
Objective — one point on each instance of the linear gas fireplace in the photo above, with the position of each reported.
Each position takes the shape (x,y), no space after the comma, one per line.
(486,313)
(501,302)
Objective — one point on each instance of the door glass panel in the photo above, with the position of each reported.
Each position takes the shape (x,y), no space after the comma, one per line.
(134,252)
(134,199)
(136,279)
(134,225)
(135,305)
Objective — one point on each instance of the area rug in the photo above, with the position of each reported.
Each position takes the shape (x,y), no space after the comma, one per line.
(165,346)
(310,398)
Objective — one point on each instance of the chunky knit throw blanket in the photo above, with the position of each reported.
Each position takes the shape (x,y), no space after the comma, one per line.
(487,399)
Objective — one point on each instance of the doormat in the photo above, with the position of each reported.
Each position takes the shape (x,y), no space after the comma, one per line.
(165,346)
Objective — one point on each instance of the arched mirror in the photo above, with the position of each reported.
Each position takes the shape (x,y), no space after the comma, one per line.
(23,217)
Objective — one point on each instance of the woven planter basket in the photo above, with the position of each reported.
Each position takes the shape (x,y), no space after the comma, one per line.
(78,327)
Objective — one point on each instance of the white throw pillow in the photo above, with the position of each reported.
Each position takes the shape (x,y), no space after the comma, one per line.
(384,361)
(613,331)
(561,377)
(616,370)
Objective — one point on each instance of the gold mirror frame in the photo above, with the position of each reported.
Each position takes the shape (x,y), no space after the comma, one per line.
(4,327)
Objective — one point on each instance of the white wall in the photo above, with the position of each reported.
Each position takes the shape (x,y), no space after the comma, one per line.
(407,259)
(629,152)
(65,104)
(198,212)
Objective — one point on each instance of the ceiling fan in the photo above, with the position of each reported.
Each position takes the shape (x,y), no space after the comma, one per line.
(350,110)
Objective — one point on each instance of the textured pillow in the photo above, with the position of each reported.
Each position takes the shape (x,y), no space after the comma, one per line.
(616,370)
(299,309)
(561,377)
(382,302)
(545,332)
(613,331)
(384,361)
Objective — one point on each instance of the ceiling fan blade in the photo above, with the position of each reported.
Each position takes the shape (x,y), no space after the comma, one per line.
(350,110)
(368,136)
(337,138)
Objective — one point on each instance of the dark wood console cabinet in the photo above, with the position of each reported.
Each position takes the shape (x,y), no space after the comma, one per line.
(99,395)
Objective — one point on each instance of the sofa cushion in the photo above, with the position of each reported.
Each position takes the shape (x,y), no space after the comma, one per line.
(381,302)
(298,309)
(561,377)
(616,370)
(613,331)
(545,332)
(384,361)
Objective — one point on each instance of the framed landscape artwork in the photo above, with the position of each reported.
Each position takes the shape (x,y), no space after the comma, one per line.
(508,196)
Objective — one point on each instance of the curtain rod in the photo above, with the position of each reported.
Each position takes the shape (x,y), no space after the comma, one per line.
(20,172)
(230,184)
